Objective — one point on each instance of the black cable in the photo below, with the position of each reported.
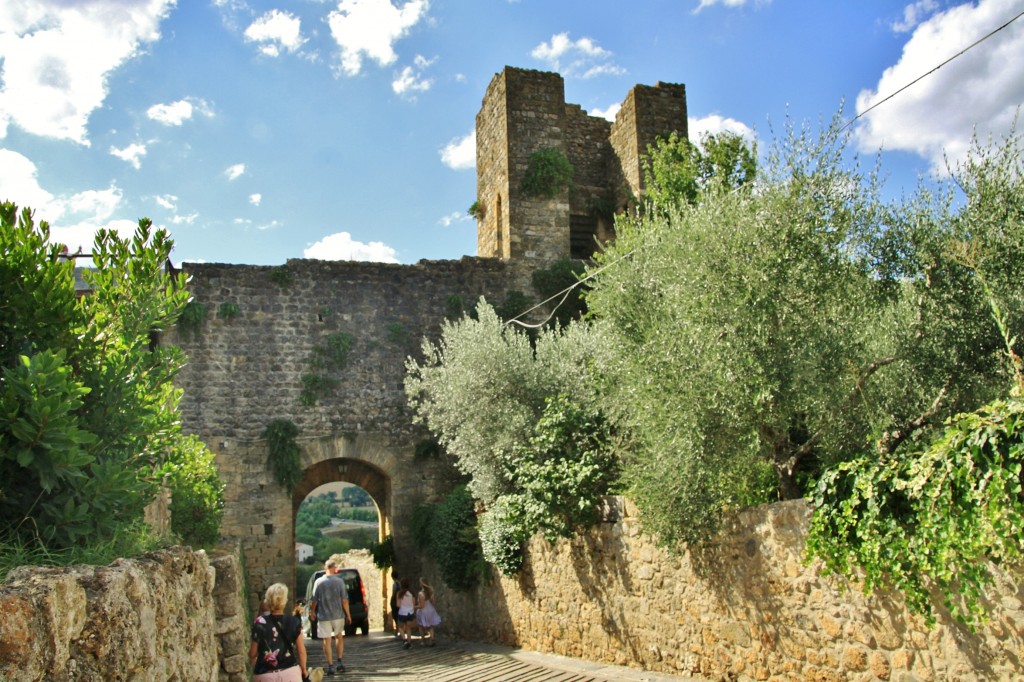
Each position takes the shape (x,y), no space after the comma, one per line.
(924,75)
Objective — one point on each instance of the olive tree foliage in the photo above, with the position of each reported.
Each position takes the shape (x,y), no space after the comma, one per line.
(520,419)
(929,519)
(88,425)
(769,330)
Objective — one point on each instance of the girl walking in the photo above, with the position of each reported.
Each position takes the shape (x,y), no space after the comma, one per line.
(426,615)
(406,611)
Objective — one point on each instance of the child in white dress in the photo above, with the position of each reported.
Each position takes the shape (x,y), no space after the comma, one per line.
(426,615)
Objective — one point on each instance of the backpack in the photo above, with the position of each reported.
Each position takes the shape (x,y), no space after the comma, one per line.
(275,650)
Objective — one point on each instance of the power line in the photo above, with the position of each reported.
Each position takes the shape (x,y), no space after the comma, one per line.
(925,75)
(564,294)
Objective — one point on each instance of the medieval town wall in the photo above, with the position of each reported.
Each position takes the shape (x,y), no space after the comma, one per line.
(250,360)
(747,608)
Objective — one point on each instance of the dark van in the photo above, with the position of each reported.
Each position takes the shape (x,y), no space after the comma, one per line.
(356,601)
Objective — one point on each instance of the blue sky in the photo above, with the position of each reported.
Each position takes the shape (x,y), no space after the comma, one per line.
(258,131)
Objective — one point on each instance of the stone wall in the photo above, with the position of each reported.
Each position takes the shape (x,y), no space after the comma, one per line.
(169,615)
(746,609)
(647,113)
(247,368)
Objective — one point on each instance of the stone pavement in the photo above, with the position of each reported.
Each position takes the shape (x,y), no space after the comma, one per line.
(381,656)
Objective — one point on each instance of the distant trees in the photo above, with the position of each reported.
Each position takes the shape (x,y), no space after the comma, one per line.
(88,421)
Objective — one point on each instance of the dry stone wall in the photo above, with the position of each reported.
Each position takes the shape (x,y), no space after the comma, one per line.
(172,615)
(747,609)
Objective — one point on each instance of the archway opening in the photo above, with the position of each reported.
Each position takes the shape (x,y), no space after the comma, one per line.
(340,508)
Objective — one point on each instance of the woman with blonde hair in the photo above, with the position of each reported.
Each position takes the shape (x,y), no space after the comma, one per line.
(277,652)
(426,615)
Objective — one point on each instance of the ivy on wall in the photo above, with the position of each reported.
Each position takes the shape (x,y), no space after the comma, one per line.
(282,276)
(228,310)
(190,322)
(447,533)
(283,451)
(330,356)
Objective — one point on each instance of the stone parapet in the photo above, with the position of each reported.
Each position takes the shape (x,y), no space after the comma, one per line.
(174,614)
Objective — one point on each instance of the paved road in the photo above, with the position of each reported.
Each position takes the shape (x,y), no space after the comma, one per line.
(381,657)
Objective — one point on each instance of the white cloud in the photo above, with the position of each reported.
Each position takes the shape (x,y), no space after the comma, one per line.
(370,28)
(73,219)
(133,154)
(607,114)
(56,57)
(167,201)
(914,14)
(980,90)
(184,219)
(255,199)
(715,124)
(19,184)
(411,79)
(581,58)
(729,3)
(460,154)
(234,172)
(452,218)
(176,113)
(274,31)
(341,246)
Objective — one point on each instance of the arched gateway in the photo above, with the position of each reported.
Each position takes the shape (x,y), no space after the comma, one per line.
(323,345)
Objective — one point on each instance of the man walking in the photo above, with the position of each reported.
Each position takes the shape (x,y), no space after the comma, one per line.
(329,605)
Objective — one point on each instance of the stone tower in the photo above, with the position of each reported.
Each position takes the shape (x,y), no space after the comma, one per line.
(524,112)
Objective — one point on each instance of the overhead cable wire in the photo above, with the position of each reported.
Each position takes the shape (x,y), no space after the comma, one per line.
(564,294)
(925,75)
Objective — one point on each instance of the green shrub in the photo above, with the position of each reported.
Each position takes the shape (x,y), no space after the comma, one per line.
(383,553)
(88,407)
(282,276)
(502,535)
(228,311)
(197,493)
(929,522)
(398,334)
(451,540)
(190,322)
(283,451)
(548,173)
(314,387)
(456,307)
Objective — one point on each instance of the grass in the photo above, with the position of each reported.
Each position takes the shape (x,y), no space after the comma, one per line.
(130,541)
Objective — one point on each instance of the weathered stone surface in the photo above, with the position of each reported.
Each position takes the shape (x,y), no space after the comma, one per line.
(714,616)
(151,618)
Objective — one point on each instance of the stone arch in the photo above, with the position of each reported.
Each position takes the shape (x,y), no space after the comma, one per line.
(363,461)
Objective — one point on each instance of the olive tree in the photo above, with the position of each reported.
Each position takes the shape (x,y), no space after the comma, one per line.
(519,415)
(931,517)
(767,331)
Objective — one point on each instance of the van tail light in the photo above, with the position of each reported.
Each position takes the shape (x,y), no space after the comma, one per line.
(362,588)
